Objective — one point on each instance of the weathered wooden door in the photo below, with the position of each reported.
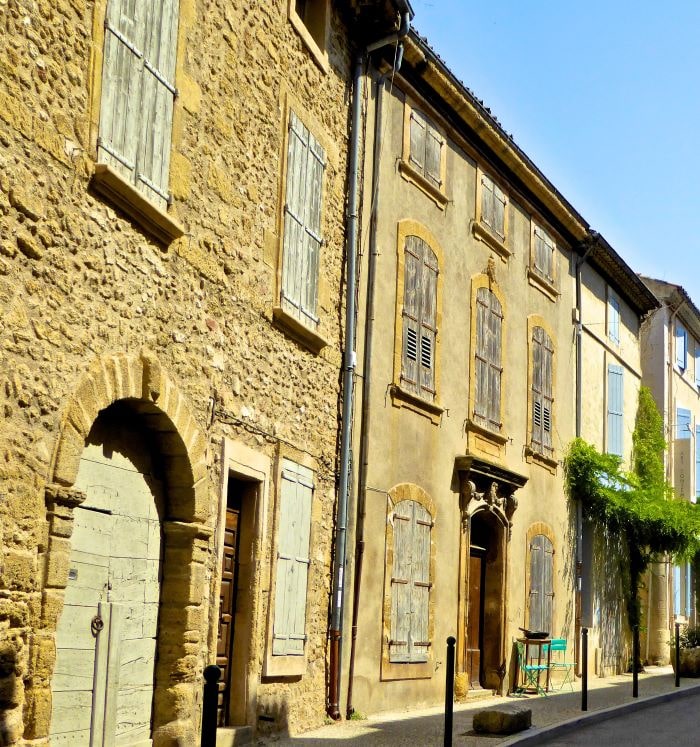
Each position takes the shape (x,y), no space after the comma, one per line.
(475,616)
(103,681)
(227,611)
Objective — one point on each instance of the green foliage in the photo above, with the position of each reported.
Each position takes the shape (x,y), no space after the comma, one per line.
(689,637)
(357,716)
(638,506)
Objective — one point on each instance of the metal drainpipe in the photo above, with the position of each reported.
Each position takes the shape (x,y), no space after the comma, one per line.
(366,379)
(349,363)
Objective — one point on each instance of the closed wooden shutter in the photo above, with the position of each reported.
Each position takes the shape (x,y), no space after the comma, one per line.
(615,407)
(493,206)
(289,629)
(489,322)
(614,320)
(544,253)
(433,157)
(426,149)
(419,318)
(410,583)
(138,92)
(302,222)
(542,399)
(418,136)
(681,347)
(541,594)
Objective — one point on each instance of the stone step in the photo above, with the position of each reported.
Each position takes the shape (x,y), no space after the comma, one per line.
(234,736)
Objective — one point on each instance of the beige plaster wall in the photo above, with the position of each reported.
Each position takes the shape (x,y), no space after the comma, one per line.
(80,282)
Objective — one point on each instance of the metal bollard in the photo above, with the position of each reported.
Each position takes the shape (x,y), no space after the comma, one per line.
(678,654)
(449,690)
(212,674)
(635,660)
(584,669)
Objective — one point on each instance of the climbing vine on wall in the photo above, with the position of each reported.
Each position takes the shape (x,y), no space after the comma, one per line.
(638,505)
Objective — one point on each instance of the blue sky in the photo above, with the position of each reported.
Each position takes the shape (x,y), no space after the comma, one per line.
(605,99)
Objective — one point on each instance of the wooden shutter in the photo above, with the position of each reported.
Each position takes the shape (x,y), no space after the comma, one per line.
(158,99)
(418,141)
(681,347)
(494,396)
(302,225)
(401,583)
(541,596)
(410,583)
(122,80)
(138,91)
(419,317)
(615,404)
(499,211)
(542,400)
(292,560)
(544,253)
(614,320)
(487,201)
(433,156)
(489,322)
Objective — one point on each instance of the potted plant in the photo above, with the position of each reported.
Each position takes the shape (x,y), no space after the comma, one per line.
(689,648)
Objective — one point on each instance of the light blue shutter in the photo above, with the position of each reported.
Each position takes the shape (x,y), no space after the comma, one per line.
(614,320)
(615,406)
(302,222)
(292,560)
(683,418)
(681,347)
(697,364)
(138,92)
(158,99)
(676,590)
(697,463)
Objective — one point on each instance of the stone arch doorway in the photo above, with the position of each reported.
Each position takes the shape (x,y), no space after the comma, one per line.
(127,541)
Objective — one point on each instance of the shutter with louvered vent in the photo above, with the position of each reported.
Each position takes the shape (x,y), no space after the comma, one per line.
(413,265)
(537,415)
(428,321)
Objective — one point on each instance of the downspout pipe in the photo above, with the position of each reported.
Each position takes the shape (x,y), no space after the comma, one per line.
(349,362)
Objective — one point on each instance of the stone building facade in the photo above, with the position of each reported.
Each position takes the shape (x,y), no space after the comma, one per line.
(169,389)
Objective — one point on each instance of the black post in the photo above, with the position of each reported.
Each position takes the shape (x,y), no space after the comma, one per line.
(449,690)
(635,661)
(678,654)
(212,674)
(584,669)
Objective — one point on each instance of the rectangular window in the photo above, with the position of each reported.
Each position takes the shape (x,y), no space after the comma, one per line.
(306,163)
(493,206)
(681,347)
(683,420)
(138,93)
(291,576)
(425,154)
(614,320)
(544,254)
(615,407)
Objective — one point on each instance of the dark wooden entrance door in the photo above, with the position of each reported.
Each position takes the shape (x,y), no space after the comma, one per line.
(227,610)
(475,616)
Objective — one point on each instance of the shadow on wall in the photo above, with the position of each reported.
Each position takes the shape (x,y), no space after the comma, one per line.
(11,689)
(612,582)
(273,712)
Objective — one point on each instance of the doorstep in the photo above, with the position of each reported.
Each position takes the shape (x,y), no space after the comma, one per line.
(233,736)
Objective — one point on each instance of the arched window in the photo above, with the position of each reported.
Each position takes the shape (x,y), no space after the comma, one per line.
(410,583)
(541,395)
(541,593)
(419,318)
(488,370)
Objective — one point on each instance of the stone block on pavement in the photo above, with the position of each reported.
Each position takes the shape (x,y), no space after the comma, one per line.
(506,719)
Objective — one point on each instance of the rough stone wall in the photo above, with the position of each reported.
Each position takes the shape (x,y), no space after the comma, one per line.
(79,280)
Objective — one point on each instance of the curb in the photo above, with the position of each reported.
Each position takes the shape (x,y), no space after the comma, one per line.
(535,736)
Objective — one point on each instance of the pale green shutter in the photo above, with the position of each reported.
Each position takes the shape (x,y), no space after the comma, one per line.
(681,346)
(302,222)
(614,320)
(401,585)
(138,91)
(292,560)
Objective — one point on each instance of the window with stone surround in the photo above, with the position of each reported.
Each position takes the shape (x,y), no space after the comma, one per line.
(136,110)
(310,18)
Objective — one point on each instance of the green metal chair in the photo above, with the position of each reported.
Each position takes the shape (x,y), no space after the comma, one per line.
(531,673)
(558,646)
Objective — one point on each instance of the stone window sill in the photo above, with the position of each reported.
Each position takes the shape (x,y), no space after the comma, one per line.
(284,666)
(111,185)
(319,55)
(425,185)
(402,398)
(543,284)
(406,671)
(298,331)
(496,243)
(536,457)
(497,438)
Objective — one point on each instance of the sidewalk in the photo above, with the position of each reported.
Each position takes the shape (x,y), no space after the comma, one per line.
(425,727)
